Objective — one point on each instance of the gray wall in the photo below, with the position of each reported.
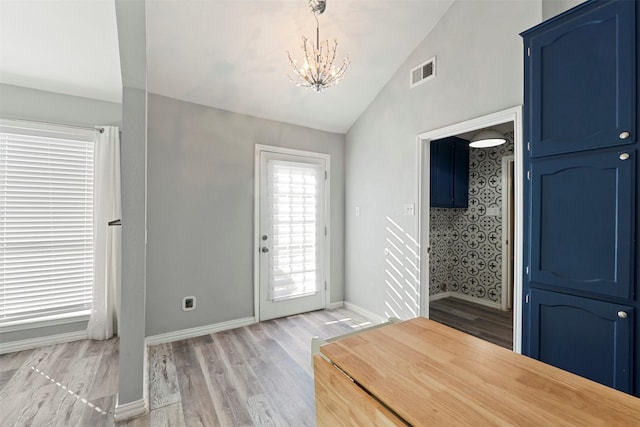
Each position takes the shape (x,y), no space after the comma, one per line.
(551,8)
(200,210)
(132,292)
(479,71)
(18,102)
(131,20)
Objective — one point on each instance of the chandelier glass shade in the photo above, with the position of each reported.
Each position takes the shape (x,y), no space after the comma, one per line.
(318,70)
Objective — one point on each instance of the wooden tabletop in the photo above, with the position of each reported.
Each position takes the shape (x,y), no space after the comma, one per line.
(431,374)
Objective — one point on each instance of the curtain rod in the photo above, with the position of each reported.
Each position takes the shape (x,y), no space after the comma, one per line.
(98,128)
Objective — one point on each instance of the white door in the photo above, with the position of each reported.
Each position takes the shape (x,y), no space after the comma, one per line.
(291,233)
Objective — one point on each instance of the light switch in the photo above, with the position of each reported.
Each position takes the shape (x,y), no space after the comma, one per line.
(493,211)
(409,209)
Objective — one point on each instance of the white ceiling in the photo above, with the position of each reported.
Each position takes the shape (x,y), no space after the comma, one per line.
(228,54)
(66,46)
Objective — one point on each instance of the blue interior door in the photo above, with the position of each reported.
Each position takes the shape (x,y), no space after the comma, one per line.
(582,82)
(588,337)
(582,223)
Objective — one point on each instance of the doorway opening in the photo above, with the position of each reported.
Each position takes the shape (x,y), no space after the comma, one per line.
(291,232)
(462,270)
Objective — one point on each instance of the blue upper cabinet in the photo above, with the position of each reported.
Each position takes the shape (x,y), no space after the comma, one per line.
(449,173)
(580,81)
(582,222)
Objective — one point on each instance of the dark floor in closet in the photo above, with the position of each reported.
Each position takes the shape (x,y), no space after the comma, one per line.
(490,324)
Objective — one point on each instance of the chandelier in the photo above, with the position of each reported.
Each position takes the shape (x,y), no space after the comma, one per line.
(318,71)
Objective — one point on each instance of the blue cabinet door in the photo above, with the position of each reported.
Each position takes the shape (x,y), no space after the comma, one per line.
(449,173)
(461,174)
(580,80)
(582,220)
(588,337)
(442,173)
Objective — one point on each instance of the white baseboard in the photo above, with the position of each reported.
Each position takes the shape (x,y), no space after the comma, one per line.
(32,343)
(463,297)
(199,331)
(129,410)
(145,377)
(335,305)
(440,295)
(364,312)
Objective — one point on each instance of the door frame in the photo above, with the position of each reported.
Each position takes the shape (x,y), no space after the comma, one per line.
(507,228)
(513,114)
(326,261)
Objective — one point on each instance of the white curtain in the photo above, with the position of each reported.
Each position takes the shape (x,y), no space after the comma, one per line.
(106,238)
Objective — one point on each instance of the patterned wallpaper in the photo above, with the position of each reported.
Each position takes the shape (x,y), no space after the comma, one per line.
(466,244)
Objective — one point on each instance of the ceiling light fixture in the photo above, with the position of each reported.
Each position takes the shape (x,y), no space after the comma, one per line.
(487,138)
(318,71)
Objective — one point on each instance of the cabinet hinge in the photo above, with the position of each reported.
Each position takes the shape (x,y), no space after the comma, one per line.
(526,270)
(528,51)
(528,146)
(529,175)
(526,299)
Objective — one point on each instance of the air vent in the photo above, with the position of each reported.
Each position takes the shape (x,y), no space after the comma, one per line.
(423,72)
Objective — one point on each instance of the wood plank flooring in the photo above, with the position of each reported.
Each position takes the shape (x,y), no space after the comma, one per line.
(71,384)
(490,324)
(259,375)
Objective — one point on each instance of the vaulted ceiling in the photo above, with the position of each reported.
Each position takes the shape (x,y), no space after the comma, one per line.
(228,54)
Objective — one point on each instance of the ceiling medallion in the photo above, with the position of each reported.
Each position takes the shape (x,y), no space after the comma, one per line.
(318,71)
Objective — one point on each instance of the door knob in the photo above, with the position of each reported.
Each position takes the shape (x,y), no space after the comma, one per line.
(265,249)
(622,314)
(624,135)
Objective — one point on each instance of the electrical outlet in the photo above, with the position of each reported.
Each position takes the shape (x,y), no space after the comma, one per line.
(188,303)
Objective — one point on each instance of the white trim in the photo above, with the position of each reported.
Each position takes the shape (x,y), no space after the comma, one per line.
(198,331)
(145,378)
(259,148)
(130,410)
(58,319)
(364,312)
(51,130)
(422,221)
(440,295)
(506,203)
(335,305)
(31,343)
(514,115)
(463,297)
(484,302)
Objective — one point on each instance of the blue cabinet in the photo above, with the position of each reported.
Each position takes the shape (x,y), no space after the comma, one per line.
(581,80)
(582,222)
(588,337)
(449,173)
(581,203)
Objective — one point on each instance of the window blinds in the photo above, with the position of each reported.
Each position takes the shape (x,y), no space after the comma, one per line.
(46,222)
(293,193)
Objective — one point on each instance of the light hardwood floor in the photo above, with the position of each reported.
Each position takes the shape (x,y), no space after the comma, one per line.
(259,375)
(490,324)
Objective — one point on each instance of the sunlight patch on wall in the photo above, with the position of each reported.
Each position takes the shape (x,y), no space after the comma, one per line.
(402,272)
